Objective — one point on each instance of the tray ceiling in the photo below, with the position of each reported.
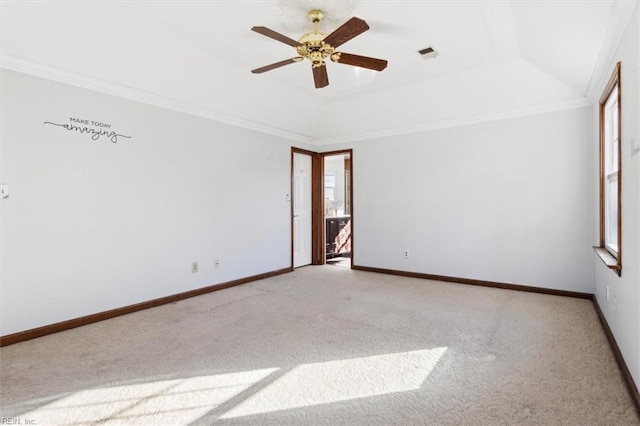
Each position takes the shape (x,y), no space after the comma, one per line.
(495,59)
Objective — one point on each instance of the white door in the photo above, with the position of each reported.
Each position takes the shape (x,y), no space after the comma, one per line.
(301,209)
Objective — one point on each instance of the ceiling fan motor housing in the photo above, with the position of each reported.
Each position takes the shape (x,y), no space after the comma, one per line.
(315,50)
(312,45)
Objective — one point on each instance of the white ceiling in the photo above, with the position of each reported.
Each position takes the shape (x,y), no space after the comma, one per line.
(496,59)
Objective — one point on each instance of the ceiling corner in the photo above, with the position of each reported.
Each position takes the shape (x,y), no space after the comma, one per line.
(617,25)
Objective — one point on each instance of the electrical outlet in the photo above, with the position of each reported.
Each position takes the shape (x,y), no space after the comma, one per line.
(4,191)
(194,267)
(216,263)
(405,254)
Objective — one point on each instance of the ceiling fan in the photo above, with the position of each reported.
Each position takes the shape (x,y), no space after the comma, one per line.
(316,47)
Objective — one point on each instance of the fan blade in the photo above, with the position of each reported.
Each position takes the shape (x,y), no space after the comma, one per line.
(276,36)
(360,61)
(277,65)
(353,27)
(320,76)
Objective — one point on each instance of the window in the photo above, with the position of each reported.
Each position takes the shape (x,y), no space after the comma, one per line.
(609,249)
(330,187)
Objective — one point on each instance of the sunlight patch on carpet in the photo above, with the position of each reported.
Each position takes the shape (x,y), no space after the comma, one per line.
(342,380)
(182,401)
(179,401)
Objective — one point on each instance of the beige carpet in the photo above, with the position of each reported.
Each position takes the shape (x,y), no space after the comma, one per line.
(327,346)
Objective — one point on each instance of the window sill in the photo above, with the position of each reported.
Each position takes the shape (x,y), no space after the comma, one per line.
(608,259)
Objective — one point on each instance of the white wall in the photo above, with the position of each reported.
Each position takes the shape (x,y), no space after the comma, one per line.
(91,225)
(505,201)
(622,310)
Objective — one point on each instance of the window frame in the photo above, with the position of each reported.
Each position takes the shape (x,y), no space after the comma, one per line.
(611,257)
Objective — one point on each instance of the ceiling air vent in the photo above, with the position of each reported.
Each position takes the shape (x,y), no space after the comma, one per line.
(428,52)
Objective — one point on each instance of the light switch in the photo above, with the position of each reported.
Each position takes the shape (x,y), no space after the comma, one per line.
(4,190)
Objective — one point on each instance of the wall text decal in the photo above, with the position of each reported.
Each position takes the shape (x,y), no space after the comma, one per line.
(97,129)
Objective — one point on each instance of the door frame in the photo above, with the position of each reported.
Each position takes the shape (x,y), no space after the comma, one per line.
(318,255)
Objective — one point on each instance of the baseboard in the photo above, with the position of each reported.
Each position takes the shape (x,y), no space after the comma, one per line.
(21,336)
(626,374)
(507,286)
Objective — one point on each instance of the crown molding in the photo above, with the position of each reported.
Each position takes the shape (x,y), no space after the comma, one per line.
(75,79)
(621,16)
(459,122)
(102,86)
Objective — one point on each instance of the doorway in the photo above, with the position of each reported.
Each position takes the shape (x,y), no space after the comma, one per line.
(321,208)
(337,208)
